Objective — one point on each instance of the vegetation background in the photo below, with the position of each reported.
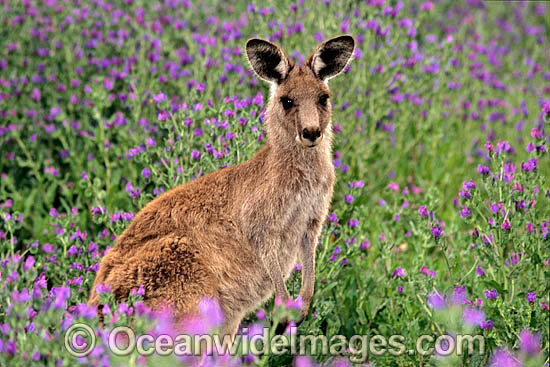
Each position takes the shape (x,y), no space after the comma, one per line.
(440,222)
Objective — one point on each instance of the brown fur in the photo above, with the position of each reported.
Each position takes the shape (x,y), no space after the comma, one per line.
(234,235)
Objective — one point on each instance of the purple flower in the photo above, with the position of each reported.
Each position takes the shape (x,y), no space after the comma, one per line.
(21,297)
(436,231)
(491,293)
(505,225)
(146,173)
(72,251)
(436,301)
(353,222)
(529,343)
(502,358)
(108,84)
(531,165)
(357,184)
(35,95)
(139,291)
(337,250)
(531,297)
(29,263)
(473,316)
(211,311)
(195,154)
(484,170)
(101,288)
(427,6)
(459,296)
(546,108)
(487,325)
(302,361)
(465,212)
(348,198)
(479,271)
(157,98)
(503,146)
(61,295)
(399,272)
(423,211)
(469,185)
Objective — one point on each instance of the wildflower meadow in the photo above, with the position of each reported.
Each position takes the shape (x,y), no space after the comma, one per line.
(440,221)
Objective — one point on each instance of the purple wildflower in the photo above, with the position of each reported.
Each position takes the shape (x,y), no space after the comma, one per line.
(491,293)
(473,316)
(348,198)
(423,211)
(436,301)
(502,358)
(529,343)
(436,232)
(399,272)
(146,173)
(465,212)
(487,325)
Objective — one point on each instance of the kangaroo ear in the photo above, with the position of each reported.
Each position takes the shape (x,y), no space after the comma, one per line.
(331,57)
(267,60)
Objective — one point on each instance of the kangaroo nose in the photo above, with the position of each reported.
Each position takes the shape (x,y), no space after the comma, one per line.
(311,134)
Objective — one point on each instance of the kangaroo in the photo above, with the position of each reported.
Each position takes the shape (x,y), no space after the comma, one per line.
(234,235)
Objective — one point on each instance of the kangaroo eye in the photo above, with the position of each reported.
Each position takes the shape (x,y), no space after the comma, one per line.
(287,103)
(323,100)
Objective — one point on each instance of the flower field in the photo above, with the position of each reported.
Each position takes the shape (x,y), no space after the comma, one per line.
(440,221)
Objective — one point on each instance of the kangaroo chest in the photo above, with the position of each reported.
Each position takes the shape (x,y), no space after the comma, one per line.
(309,204)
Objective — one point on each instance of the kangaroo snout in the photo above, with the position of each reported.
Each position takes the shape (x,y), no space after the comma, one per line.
(311,136)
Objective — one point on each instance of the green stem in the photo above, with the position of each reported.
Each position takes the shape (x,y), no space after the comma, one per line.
(33,167)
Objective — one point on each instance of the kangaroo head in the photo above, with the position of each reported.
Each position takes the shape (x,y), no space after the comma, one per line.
(299,109)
